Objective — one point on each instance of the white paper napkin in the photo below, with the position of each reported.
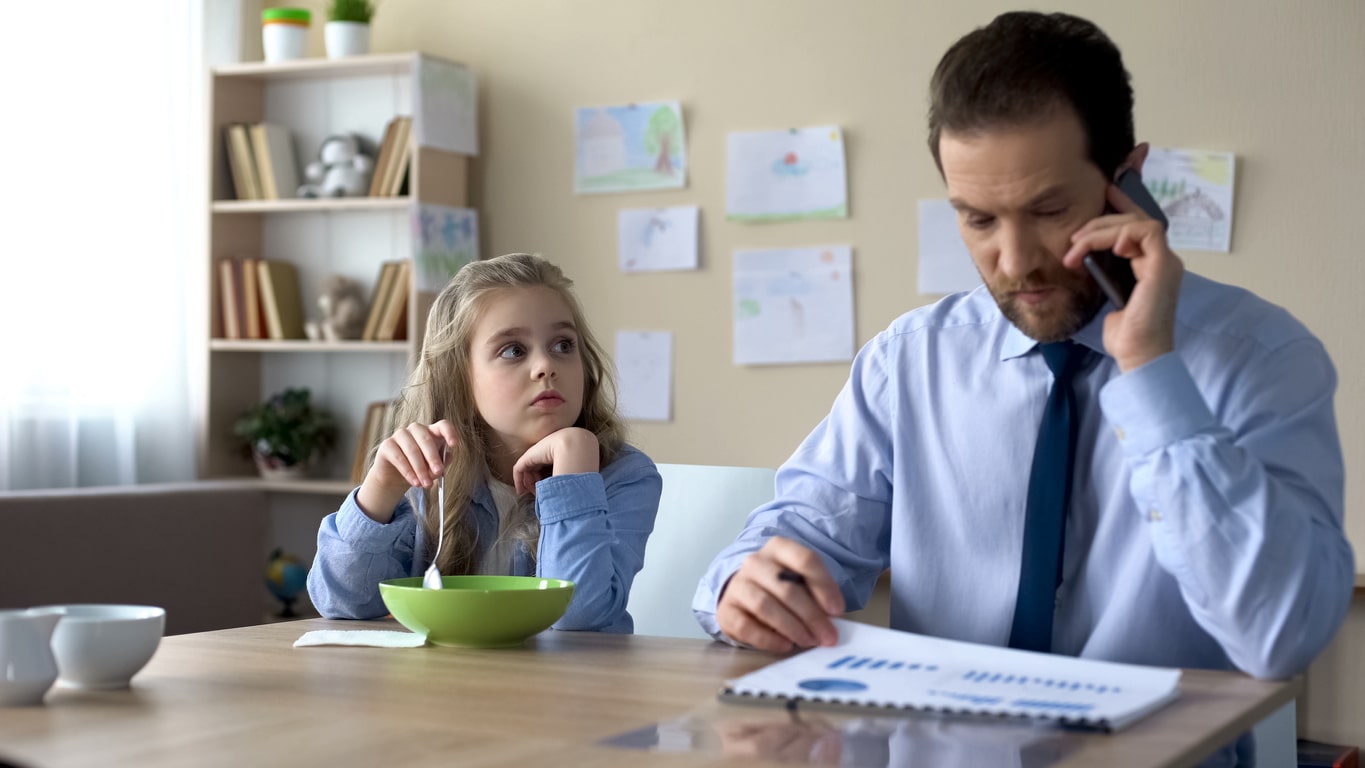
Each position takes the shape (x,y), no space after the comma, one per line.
(367,637)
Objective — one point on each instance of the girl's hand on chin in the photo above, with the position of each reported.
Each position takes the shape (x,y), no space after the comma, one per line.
(568,451)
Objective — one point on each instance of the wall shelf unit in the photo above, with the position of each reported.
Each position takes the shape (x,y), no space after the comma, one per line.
(315,99)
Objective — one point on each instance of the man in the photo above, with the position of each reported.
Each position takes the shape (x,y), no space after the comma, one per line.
(1203,524)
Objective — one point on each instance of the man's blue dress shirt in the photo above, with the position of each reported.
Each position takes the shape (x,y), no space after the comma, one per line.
(1205,527)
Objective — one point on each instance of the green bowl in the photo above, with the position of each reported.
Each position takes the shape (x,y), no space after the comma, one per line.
(477,611)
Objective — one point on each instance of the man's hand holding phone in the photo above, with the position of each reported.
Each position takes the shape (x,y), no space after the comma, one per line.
(1143,328)
(781,597)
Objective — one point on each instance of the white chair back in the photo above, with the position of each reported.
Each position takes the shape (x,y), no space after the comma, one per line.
(701,510)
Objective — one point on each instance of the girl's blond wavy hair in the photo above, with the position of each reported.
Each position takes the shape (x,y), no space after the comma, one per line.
(440,387)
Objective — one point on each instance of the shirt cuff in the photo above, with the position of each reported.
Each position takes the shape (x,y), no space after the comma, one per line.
(1155,405)
(364,534)
(561,497)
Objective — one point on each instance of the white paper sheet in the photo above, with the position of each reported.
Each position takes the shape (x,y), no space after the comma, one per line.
(793,305)
(447,239)
(1194,188)
(445,115)
(785,175)
(370,638)
(629,148)
(884,667)
(644,366)
(945,264)
(657,239)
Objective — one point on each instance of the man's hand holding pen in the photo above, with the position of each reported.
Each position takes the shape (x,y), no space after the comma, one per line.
(781,597)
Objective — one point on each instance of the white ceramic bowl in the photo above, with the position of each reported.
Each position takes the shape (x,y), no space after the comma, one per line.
(100,646)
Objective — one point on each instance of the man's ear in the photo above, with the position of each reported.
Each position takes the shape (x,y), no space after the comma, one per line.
(1136,158)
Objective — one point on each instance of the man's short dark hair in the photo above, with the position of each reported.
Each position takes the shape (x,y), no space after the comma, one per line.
(1023,66)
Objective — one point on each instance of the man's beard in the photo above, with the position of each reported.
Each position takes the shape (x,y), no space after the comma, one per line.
(1082,302)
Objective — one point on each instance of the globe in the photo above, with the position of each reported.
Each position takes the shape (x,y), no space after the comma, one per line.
(286,578)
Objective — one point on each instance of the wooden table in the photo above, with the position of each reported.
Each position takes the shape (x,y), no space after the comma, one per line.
(247,697)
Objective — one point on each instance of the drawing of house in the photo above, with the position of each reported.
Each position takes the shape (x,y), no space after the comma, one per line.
(603,146)
(1194,206)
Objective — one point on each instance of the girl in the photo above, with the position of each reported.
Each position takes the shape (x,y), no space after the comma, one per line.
(511,401)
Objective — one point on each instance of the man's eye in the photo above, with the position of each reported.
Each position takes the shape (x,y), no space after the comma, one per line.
(511,352)
(1052,213)
(980,222)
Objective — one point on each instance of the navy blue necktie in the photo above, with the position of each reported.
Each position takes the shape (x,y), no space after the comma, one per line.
(1049,497)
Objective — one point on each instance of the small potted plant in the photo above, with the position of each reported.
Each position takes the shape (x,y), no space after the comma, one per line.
(286,434)
(347,31)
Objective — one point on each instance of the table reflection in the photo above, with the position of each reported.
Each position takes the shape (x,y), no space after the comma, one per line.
(821,738)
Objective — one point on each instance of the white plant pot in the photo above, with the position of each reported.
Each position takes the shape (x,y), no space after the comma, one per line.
(346,38)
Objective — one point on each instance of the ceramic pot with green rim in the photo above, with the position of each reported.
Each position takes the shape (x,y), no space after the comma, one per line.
(284,33)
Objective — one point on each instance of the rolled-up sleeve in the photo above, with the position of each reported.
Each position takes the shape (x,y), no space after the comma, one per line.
(1244,504)
(593,531)
(354,554)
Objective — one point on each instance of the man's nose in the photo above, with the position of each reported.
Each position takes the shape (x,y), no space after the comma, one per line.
(1021,251)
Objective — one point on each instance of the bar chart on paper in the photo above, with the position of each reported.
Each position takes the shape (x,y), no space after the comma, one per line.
(879,667)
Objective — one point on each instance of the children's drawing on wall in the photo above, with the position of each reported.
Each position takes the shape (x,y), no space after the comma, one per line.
(1194,188)
(786,175)
(630,148)
(447,239)
(657,239)
(793,305)
(444,115)
(644,370)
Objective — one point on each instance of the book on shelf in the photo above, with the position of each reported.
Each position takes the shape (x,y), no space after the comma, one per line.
(242,163)
(253,320)
(282,299)
(273,149)
(393,325)
(381,293)
(385,157)
(229,275)
(399,159)
(876,668)
(372,430)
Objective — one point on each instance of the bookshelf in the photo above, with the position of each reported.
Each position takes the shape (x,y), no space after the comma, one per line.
(351,236)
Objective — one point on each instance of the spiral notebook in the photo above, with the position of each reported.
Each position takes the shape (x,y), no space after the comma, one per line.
(886,669)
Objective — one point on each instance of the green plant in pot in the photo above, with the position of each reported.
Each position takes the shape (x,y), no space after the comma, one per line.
(286,434)
(347,32)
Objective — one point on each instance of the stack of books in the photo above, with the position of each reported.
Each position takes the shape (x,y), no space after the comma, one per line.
(259,299)
(387,320)
(261,161)
(373,429)
(395,158)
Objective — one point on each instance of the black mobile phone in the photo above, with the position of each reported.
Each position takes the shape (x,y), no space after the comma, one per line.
(1115,273)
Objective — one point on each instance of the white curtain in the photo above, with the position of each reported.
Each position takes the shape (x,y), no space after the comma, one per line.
(101,247)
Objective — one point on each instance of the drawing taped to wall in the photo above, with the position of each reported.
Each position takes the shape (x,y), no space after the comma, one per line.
(447,239)
(630,148)
(786,175)
(657,239)
(1194,189)
(793,305)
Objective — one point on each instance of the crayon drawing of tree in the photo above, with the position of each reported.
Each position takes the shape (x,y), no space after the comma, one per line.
(664,133)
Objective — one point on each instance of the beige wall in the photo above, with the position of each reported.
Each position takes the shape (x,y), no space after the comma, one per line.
(1277,83)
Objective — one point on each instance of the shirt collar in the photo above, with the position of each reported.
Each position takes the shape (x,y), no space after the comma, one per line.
(1017,344)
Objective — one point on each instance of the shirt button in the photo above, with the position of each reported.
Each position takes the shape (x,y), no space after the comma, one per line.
(1154,515)
(1120,433)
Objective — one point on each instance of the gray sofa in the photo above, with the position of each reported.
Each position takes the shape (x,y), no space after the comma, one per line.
(194,549)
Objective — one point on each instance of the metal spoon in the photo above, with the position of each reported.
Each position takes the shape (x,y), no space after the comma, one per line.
(432,578)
